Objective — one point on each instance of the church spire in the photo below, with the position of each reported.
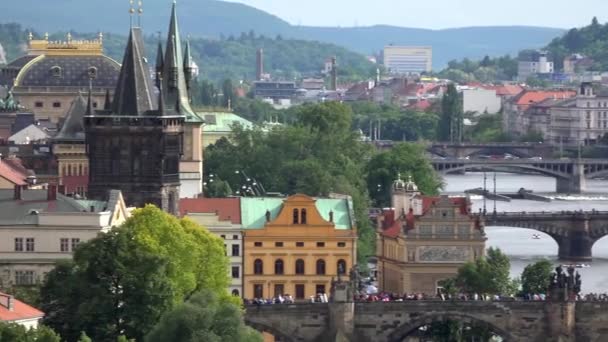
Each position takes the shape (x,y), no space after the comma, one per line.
(188,66)
(174,79)
(159,62)
(134,93)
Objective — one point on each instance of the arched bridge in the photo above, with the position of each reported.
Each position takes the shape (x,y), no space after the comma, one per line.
(570,173)
(397,321)
(575,232)
(447,149)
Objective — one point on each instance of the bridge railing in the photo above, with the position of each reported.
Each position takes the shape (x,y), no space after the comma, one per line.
(541,213)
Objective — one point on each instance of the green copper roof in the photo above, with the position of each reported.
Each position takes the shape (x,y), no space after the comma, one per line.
(253,211)
(221,121)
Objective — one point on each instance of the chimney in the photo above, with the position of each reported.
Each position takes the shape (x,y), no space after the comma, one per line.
(18,193)
(51,194)
(334,74)
(259,65)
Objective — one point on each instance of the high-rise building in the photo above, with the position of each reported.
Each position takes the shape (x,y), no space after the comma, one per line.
(404,60)
(136,145)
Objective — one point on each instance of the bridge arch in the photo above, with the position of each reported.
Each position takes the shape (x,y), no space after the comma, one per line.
(505,168)
(267,328)
(407,329)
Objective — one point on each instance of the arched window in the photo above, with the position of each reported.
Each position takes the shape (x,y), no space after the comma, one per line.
(278,267)
(341,266)
(303,220)
(300,266)
(235,293)
(258,266)
(296,214)
(320,267)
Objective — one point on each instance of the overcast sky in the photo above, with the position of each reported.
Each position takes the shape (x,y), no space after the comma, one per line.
(435,14)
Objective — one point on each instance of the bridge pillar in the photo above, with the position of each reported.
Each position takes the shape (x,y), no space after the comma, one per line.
(561,321)
(575,184)
(576,246)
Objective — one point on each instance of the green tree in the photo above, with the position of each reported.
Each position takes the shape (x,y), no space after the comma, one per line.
(14,332)
(209,94)
(451,122)
(123,281)
(204,317)
(487,275)
(406,159)
(84,337)
(536,277)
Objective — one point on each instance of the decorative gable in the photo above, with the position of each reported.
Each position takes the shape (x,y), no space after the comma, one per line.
(299,210)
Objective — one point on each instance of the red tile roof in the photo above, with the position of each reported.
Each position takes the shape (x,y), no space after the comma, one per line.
(11,174)
(228,209)
(505,90)
(20,310)
(529,97)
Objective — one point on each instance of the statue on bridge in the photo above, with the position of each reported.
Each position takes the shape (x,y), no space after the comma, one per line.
(564,286)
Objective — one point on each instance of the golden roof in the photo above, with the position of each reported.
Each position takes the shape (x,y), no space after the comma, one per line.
(69,47)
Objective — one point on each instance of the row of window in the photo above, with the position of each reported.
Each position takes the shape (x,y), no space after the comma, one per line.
(25,277)
(300,269)
(56,104)
(234,237)
(236,250)
(30,244)
(279,289)
(298,244)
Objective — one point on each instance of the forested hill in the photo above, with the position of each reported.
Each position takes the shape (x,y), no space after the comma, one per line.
(231,57)
(210,18)
(591,41)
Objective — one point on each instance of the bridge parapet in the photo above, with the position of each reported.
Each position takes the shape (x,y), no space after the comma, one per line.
(290,322)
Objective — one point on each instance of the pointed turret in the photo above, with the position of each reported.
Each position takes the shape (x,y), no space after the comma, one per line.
(90,109)
(73,126)
(159,62)
(134,93)
(174,79)
(188,66)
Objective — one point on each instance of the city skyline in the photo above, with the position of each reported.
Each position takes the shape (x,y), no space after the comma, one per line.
(455,14)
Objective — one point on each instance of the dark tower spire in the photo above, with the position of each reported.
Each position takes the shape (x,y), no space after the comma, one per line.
(159,62)
(259,65)
(161,96)
(108,102)
(90,110)
(134,93)
(188,66)
(334,74)
(174,79)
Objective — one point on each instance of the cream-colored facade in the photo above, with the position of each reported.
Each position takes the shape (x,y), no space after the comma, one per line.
(298,252)
(232,235)
(424,240)
(191,165)
(30,244)
(404,60)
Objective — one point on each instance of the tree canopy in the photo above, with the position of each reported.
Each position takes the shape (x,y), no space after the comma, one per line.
(204,317)
(487,275)
(536,277)
(121,282)
(18,333)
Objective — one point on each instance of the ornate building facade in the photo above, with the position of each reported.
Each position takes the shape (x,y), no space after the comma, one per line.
(422,240)
(296,245)
(53,73)
(137,144)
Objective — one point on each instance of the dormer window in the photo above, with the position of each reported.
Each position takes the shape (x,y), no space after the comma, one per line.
(92,72)
(56,71)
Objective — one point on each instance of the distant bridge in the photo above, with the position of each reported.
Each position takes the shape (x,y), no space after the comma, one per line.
(574,231)
(570,173)
(455,150)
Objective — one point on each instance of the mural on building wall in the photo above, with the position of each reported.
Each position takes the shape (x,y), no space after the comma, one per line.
(443,254)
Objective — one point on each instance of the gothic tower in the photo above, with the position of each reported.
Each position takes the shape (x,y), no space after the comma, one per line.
(136,145)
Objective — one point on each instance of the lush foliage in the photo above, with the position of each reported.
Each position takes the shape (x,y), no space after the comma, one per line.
(17,333)
(590,41)
(487,70)
(451,125)
(536,277)
(394,124)
(486,128)
(204,317)
(123,281)
(487,275)
(406,159)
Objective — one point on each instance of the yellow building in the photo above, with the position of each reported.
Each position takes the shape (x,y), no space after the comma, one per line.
(296,245)
(53,73)
(422,240)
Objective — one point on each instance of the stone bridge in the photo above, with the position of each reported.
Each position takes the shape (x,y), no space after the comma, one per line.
(399,321)
(570,173)
(575,232)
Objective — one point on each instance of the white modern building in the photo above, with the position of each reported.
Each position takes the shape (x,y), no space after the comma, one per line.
(536,63)
(479,100)
(404,60)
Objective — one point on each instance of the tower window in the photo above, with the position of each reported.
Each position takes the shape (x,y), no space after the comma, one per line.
(296,216)
(56,71)
(303,220)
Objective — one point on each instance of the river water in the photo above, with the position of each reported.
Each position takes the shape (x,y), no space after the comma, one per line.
(518,243)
